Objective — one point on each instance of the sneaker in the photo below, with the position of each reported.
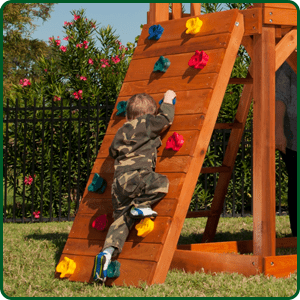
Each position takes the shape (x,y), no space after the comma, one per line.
(99,274)
(140,213)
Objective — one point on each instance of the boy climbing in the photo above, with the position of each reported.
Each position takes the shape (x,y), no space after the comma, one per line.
(136,187)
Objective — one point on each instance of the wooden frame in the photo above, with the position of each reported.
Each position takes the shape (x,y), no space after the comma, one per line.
(148,259)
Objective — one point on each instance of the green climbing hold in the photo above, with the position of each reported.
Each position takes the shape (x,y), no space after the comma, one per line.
(113,269)
(98,184)
(162,65)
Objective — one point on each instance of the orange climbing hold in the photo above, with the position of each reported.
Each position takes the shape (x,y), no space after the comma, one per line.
(144,227)
(66,267)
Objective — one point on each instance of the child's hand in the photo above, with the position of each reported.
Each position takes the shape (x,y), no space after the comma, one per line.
(169,96)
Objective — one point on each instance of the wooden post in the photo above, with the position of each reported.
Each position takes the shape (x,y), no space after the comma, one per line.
(195,9)
(264,243)
(159,12)
(176,10)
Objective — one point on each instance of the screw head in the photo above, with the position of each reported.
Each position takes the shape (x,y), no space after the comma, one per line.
(271,20)
(237,23)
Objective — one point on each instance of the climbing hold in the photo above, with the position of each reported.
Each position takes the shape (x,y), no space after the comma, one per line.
(193,25)
(198,60)
(175,142)
(144,227)
(161,101)
(113,269)
(100,222)
(162,65)
(66,267)
(98,184)
(121,107)
(155,32)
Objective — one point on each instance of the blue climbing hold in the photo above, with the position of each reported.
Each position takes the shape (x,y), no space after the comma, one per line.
(98,184)
(121,107)
(162,65)
(155,32)
(161,101)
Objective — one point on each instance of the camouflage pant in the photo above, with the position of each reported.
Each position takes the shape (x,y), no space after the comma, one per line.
(136,188)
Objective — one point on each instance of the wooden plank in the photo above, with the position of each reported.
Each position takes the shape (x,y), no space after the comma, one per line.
(97,207)
(199,81)
(179,66)
(278,16)
(240,80)
(82,229)
(159,12)
(133,272)
(175,29)
(141,251)
(181,122)
(264,143)
(252,21)
(280,5)
(198,214)
(173,164)
(190,138)
(176,10)
(292,61)
(153,49)
(247,42)
(194,261)
(188,102)
(209,170)
(175,180)
(228,125)
(199,152)
(285,48)
(280,266)
(195,9)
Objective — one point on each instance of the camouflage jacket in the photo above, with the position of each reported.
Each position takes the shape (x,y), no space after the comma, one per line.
(135,144)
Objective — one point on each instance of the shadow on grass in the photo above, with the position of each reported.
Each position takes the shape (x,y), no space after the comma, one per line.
(57,239)
(194,238)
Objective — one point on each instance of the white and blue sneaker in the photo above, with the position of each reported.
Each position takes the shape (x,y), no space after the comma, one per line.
(101,263)
(140,213)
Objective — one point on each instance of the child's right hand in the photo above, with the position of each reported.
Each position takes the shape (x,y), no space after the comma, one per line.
(169,96)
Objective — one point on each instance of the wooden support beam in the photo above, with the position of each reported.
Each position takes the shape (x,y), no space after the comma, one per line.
(240,80)
(229,160)
(252,20)
(195,261)
(264,143)
(176,10)
(279,16)
(228,125)
(195,9)
(285,48)
(210,170)
(198,214)
(292,61)
(280,266)
(159,12)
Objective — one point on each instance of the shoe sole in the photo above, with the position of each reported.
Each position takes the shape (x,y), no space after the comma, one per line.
(98,273)
(139,217)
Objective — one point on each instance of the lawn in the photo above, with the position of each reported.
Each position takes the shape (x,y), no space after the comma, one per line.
(31,253)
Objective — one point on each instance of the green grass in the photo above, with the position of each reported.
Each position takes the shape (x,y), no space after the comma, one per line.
(31,253)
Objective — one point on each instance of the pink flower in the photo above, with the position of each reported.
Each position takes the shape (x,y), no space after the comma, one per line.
(93,25)
(83,78)
(66,23)
(103,66)
(66,38)
(63,48)
(91,61)
(36,214)
(76,17)
(25,82)
(56,98)
(50,38)
(57,42)
(116,59)
(46,70)
(28,180)
(78,95)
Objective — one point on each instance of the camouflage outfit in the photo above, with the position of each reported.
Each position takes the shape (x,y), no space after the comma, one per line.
(135,183)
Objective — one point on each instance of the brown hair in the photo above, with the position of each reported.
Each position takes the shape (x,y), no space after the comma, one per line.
(139,105)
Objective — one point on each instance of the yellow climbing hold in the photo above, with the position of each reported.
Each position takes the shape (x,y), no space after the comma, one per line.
(66,267)
(144,227)
(193,25)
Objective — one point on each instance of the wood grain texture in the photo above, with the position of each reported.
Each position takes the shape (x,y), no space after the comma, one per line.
(280,266)
(175,29)
(179,66)
(195,261)
(292,61)
(279,16)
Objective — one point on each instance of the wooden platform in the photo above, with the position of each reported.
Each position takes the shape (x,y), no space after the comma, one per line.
(199,97)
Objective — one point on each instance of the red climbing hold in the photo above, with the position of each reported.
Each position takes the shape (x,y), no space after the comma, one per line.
(175,142)
(198,60)
(100,222)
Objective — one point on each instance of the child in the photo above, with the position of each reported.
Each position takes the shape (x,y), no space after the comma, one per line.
(135,186)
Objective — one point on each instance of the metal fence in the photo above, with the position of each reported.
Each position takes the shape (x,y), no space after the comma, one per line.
(49,151)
